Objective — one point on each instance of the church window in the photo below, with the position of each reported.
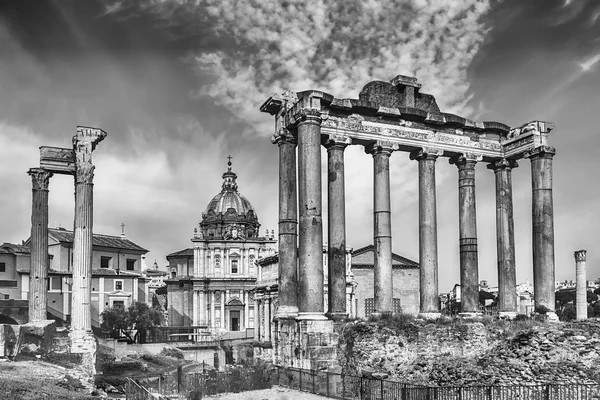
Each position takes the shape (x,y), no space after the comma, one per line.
(105,262)
(234,266)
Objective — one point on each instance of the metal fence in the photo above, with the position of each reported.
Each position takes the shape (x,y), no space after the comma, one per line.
(134,391)
(341,386)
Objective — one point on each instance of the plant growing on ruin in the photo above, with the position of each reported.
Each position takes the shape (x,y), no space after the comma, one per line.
(133,322)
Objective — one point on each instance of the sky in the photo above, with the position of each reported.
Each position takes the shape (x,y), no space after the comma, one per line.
(177,85)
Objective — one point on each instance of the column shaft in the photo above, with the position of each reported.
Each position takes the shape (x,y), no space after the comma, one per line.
(428,249)
(336,206)
(38,292)
(505,234)
(212,309)
(382,232)
(310,297)
(469,274)
(288,221)
(581,288)
(223,309)
(543,226)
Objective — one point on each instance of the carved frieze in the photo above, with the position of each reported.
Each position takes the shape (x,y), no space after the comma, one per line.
(40,178)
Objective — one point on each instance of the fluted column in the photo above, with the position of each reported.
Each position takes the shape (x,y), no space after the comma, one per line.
(505,238)
(82,338)
(288,221)
(469,274)
(336,206)
(543,227)
(382,231)
(581,280)
(428,249)
(310,296)
(38,275)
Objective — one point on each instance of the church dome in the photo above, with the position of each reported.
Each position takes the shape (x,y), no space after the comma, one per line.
(229,215)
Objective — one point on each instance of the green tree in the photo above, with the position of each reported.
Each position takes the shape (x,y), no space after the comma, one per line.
(133,322)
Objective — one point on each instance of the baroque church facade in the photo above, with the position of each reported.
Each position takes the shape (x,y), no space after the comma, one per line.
(211,283)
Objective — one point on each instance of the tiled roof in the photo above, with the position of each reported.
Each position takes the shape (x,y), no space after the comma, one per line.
(112,272)
(64,236)
(9,248)
(181,253)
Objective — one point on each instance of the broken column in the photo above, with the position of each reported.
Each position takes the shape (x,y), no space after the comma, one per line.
(38,272)
(543,228)
(82,338)
(581,281)
(336,207)
(505,238)
(428,251)
(469,274)
(288,221)
(310,238)
(382,240)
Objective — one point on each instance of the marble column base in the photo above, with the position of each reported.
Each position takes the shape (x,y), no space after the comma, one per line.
(430,315)
(286,312)
(471,315)
(311,316)
(507,315)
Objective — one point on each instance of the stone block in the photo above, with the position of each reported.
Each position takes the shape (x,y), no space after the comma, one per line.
(9,337)
(37,337)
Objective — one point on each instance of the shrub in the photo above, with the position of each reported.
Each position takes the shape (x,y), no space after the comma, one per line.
(172,352)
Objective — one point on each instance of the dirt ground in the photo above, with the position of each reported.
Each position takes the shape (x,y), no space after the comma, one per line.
(275,393)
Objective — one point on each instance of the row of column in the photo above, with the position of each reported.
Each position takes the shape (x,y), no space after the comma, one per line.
(301,289)
(203,266)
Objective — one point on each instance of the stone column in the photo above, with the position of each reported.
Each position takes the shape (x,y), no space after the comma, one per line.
(581,280)
(223,309)
(543,227)
(505,234)
(336,206)
(382,232)
(288,221)
(82,338)
(310,297)
(246,309)
(212,309)
(469,274)
(202,262)
(428,249)
(38,291)
(195,307)
(202,307)
(267,332)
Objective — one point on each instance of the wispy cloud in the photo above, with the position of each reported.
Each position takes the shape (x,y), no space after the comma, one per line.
(589,64)
(338,47)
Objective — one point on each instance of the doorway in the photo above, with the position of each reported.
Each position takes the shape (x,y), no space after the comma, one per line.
(235,320)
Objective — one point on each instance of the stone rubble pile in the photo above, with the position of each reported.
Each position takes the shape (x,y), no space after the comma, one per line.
(470,354)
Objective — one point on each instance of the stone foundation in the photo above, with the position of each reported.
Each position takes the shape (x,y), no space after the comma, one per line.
(305,344)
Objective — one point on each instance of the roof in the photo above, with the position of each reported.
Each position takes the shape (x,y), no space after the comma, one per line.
(95,272)
(117,242)
(363,257)
(9,248)
(182,253)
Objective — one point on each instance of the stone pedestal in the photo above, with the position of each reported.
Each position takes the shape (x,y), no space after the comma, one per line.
(428,252)
(38,276)
(543,227)
(469,274)
(505,237)
(306,344)
(382,230)
(310,237)
(581,280)
(336,206)
(288,221)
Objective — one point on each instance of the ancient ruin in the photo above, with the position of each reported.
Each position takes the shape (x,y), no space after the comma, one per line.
(386,118)
(77,162)
(581,289)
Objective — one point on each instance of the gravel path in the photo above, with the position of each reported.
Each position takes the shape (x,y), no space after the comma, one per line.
(275,393)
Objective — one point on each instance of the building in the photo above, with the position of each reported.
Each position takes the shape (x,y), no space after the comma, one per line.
(359,287)
(154,279)
(116,273)
(211,284)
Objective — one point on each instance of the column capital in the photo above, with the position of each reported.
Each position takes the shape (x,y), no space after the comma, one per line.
(40,178)
(283,136)
(381,147)
(541,152)
(337,142)
(466,160)
(426,153)
(580,255)
(502,164)
(309,115)
(84,143)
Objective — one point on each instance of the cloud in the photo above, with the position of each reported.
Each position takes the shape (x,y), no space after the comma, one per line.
(338,47)
(589,64)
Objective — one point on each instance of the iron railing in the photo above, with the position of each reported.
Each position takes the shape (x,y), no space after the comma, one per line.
(340,386)
(135,391)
